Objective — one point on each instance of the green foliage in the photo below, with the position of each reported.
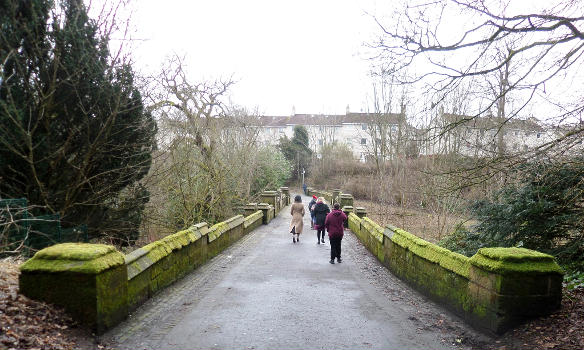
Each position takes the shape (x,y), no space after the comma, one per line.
(574,279)
(272,170)
(542,211)
(465,241)
(297,151)
(73,130)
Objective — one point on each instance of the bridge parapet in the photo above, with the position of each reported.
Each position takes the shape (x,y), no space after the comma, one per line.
(86,279)
(98,285)
(495,289)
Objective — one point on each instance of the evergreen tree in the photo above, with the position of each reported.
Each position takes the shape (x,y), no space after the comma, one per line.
(543,211)
(297,150)
(75,138)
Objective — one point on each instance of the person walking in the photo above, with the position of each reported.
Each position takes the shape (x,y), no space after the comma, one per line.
(311,210)
(334,224)
(296,224)
(320,212)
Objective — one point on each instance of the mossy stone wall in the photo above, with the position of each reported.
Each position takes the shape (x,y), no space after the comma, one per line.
(85,279)
(98,285)
(252,221)
(495,289)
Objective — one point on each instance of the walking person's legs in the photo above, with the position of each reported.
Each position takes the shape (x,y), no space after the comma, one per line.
(334,248)
(339,250)
(319,234)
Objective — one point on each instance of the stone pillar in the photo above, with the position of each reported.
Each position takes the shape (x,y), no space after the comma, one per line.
(269,197)
(250,208)
(336,194)
(509,285)
(268,211)
(360,212)
(345,199)
(347,210)
(286,192)
(89,280)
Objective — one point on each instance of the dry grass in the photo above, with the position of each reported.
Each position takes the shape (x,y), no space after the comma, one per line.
(428,226)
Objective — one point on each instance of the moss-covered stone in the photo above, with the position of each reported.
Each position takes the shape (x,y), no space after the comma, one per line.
(449,260)
(88,280)
(355,224)
(513,260)
(253,221)
(75,257)
(373,228)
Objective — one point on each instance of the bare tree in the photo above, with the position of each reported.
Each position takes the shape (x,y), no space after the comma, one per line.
(518,53)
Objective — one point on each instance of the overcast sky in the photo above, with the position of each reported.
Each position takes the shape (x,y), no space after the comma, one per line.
(301,53)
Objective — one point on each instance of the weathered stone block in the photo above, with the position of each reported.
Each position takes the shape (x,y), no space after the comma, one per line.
(286,192)
(361,212)
(95,272)
(253,221)
(336,192)
(267,211)
(345,199)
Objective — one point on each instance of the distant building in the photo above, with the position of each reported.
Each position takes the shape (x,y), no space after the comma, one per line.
(385,136)
(359,131)
(484,136)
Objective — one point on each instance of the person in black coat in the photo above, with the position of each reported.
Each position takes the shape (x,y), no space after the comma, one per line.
(320,212)
(311,210)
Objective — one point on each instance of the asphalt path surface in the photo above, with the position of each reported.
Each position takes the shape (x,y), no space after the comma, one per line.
(265,292)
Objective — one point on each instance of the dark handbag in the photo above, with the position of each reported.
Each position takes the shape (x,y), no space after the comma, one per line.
(293,230)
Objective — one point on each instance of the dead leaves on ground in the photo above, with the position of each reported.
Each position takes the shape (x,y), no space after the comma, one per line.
(28,324)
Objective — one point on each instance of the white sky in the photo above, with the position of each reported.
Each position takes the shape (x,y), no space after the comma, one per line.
(281,53)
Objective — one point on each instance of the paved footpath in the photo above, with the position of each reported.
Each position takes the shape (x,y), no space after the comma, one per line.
(265,292)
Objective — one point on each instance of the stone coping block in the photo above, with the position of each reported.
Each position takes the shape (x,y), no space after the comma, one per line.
(74,257)
(250,219)
(143,258)
(507,261)
(86,279)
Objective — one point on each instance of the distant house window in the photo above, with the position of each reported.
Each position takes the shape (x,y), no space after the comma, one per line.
(393,128)
(516,133)
(538,135)
(281,129)
(320,142)
(363,141)
(348,141)
(363,126)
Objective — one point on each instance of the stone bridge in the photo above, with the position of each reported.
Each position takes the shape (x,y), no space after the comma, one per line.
(253,288)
